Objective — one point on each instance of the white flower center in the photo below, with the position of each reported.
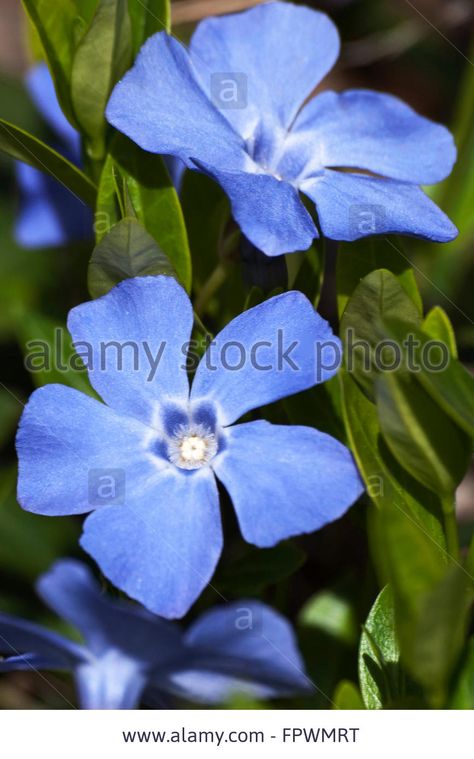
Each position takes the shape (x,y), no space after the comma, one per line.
(192,447)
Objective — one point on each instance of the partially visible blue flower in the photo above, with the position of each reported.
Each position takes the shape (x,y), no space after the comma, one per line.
(128,653)
(49,214)
(158,447)
(236,107)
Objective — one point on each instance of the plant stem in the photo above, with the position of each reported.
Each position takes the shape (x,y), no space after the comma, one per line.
(211,286)
(450,526)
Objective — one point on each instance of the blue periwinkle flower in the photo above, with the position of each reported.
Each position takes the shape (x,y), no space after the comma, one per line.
(128,653)
(236,106)
(156,533)
(50,215)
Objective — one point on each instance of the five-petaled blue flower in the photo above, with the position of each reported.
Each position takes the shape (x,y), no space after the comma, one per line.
(156,532)
(236,107)
(50,215)
(128,653)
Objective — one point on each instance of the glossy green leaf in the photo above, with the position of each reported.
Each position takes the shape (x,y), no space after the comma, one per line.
(358,259)
(377,298)
(148,17)
(386,481)
(421,436)
(59,27)
(437,325)
(141,179)
(25,147)
(432,597)
(347,696)
(128,250)
(49,355)
(381,676)
(102,57)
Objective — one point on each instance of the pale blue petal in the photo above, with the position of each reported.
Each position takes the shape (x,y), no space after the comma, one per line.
(360,129)
(40,86)
(162,548)
(275,349)
(112,682)
(285,481)
(243,647)
(161,106)
(351,206)
(76,454)
(133,341)
(70,588)
(268,210)
(281,50)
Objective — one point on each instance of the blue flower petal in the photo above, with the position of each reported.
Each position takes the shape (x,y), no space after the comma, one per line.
(285,481)
(49,214)
(268,210)
(352,206)
(111,682)
(134,339)
(162,548)
(275,349)
(176,117)
(19,636)
(241,647)
(280,51)
(361,129)
(40,86)
(31,662)
(70,588)
(76,454)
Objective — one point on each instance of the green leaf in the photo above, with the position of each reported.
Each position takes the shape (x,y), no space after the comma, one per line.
(258,569)
(377,298)
(10,409)
(421,436)
(358,259)
(49,355)
(126,251)
(25,147)
(381,676)
(102,57)
(437,325)
(146,183)
(59,28)
(463,694)
(386,481)
(347,696)
(148,17)
(432,597)
(332,613)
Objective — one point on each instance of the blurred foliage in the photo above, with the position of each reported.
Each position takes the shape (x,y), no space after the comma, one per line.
(383,623)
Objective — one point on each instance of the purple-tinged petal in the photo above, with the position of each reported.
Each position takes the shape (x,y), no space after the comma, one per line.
(285,481)
(133,341)
(276,53)
(275,349)
(31,662)
(351,206)
(162,548)
(76,454)
(19,636)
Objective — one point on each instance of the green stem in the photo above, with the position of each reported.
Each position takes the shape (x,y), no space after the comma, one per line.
(210,287)
(450,526)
